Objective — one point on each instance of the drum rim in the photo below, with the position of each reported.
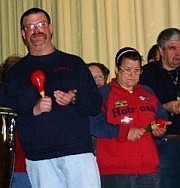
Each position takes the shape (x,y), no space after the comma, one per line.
(6,110)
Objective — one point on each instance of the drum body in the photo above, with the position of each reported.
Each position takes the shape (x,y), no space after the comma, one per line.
(7,122)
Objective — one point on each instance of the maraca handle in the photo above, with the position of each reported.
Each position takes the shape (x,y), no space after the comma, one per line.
(42,93)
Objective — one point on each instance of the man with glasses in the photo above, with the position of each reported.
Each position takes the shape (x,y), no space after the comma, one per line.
(163,77)
(53,130)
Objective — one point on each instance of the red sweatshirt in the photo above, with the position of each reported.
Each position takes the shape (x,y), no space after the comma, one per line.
(136,109)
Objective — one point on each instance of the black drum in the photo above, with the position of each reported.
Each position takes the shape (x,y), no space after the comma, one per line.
(7,122)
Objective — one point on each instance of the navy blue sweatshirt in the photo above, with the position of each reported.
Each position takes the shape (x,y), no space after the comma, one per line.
(65,130)
(160,81)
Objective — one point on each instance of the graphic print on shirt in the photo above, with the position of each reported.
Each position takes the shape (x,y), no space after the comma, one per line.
(124,111)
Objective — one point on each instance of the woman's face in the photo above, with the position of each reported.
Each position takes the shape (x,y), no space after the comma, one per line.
(97,75)
(128,73)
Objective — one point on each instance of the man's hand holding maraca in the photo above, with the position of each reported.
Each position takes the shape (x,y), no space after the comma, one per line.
(43,105)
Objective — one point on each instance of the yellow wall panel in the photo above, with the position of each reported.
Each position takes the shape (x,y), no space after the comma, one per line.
(92,29)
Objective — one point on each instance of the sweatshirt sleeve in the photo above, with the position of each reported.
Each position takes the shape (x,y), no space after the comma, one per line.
(160,111)
(88,97)
(11,99)
(101,129)
(99,126)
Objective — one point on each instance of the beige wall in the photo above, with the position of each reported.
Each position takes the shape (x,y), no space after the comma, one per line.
(92,29)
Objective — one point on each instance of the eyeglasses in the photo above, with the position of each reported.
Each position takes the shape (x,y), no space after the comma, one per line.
(31,27)
(128,71)
(98,77)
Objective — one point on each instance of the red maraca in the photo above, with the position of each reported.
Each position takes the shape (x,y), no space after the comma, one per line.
(38,80)
(156,123)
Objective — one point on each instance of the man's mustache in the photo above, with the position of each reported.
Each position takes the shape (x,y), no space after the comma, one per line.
(38,33)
